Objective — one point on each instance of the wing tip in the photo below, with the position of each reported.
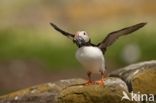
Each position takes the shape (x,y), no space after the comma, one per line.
(142,24)
(52,24)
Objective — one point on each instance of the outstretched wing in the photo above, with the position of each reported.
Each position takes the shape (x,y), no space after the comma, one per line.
(69,35)
(111,37)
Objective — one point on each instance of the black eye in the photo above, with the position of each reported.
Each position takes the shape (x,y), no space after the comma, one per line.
(84,33)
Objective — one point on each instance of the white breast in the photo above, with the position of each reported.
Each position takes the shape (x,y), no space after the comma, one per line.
(91,58)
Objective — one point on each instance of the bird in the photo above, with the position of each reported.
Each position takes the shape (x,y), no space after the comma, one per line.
(92,56)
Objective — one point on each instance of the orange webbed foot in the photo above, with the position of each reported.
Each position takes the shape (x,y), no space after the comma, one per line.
(100,82)
(89,82)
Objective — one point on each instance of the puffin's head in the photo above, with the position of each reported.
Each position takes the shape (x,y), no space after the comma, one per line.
(81,38)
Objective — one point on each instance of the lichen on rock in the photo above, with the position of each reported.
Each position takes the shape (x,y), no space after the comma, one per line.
(110,93)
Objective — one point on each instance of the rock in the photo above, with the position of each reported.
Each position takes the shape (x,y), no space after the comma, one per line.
(110,93)
(45,93)
(140,77)
(70,91)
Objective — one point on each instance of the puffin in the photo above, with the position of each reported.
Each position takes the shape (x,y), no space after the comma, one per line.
(91,56)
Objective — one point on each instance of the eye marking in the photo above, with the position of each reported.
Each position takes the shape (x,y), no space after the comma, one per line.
(84,33)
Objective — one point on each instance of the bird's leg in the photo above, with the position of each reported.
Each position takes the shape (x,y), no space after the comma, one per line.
(103,76)
(89,78)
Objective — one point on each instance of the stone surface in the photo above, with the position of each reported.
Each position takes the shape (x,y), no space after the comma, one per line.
(110,93)
(70,91)
(45,93)
(140,77)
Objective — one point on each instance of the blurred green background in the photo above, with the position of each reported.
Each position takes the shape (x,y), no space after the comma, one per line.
(31,52)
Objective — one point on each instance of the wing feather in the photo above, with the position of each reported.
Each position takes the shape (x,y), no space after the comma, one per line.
(111,37)
(69,35)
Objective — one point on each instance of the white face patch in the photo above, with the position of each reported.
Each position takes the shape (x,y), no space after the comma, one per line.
(84,35)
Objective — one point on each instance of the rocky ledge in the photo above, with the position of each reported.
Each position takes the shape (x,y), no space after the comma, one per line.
(138,78)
